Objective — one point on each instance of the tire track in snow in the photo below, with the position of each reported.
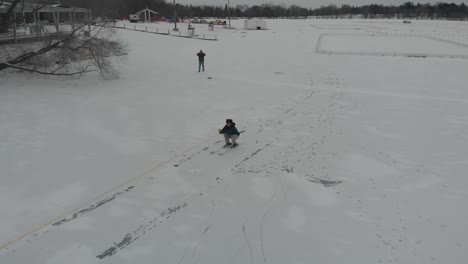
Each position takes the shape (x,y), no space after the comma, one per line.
(103,200)
(248,243)
(92,207)
(130,237)
(203,234)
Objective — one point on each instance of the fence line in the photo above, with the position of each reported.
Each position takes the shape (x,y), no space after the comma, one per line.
(168,32)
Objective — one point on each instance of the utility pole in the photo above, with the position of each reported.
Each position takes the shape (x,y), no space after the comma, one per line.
(175,19)
(229,14)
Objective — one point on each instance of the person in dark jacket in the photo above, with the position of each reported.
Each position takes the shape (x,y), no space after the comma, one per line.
(230,132)
(201,60)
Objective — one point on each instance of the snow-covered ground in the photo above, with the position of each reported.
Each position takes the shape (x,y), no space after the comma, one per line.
(345,158)
(391,46)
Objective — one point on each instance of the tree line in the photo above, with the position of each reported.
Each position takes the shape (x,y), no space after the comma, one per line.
(122,8)
(406,10)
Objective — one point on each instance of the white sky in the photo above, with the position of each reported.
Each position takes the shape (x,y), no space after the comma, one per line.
(311,3)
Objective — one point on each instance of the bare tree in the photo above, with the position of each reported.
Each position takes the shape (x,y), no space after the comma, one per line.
(85,49)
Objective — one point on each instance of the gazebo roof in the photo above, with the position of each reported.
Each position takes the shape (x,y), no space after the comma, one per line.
(146,10)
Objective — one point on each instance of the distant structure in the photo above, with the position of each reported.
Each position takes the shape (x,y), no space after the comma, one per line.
(37,20)
(143,15)
(255,24)
(31,13)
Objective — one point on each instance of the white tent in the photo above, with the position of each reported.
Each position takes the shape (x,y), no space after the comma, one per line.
(255,23)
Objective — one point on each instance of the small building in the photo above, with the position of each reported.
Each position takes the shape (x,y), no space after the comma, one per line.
(255,24)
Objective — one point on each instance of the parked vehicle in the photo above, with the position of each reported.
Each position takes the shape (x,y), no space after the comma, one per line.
(199,21)
(134,18)
(219,22)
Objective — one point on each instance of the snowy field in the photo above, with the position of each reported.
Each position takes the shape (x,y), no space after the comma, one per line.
(383,45)
(345,158)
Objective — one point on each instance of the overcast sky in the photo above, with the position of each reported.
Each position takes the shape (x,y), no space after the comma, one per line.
(309,3)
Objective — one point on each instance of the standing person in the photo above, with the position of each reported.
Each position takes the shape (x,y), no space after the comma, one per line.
(201,60)
(230,132)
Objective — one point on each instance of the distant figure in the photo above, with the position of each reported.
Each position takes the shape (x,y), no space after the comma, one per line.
(201,60)
(230,132)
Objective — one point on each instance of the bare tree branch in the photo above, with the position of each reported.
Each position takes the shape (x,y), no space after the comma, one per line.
(67,54)
(58,56)
(51,73)
(33,54)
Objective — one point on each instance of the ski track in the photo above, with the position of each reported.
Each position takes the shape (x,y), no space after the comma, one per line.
(248,243)
(92,207)
(130,237)
(240,167)
(193,155)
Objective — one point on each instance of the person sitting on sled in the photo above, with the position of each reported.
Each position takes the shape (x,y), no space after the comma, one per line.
(230,132)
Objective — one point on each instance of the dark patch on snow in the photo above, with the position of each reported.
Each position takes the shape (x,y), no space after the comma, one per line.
(325,182)
(92,207)
(288,169)
(129,238)
(191,156)
(253,154)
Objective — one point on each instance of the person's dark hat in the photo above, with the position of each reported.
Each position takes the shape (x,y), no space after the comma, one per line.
(229,121)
